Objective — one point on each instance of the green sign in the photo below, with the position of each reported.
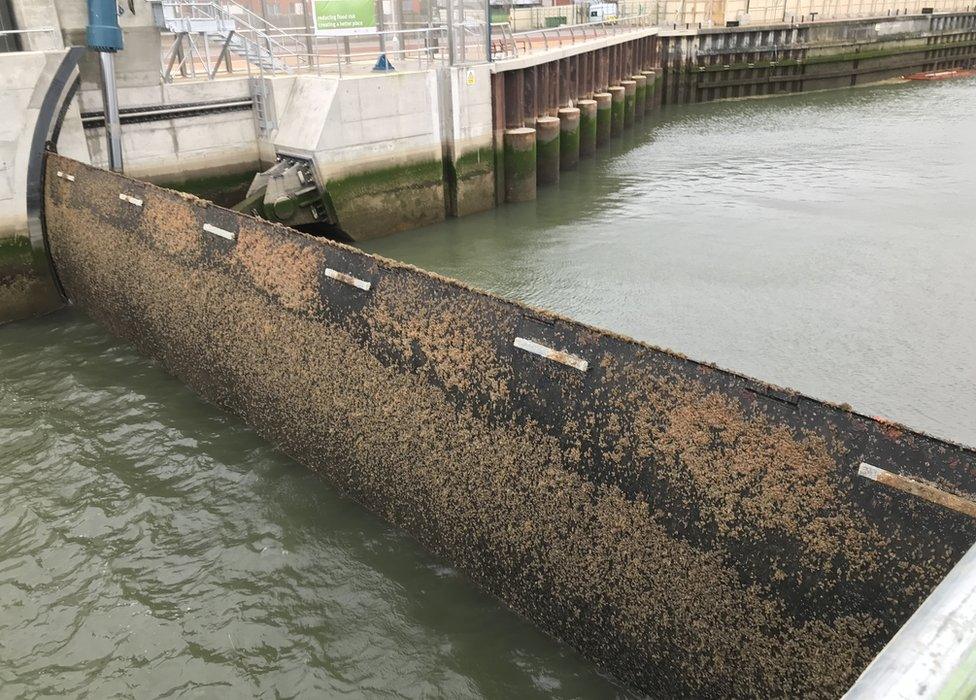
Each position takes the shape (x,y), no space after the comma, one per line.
(345,16)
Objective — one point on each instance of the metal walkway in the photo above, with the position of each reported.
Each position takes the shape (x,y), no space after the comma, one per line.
(208,33)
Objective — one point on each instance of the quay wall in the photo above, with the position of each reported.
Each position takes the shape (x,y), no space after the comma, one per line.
(692,531)
(402,150)
(759,60)
(394,151)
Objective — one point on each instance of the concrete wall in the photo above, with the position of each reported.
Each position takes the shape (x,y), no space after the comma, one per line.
(24,287)
(179,150)
(694,532)
(172,151)
(137,64)
(376,144)
(468,139)
(38,15)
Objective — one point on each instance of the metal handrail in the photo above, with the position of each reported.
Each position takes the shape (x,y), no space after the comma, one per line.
(38,30)
(556,33)
(268,39)
(432,50)
(270,49)
(269,28)
(407,49)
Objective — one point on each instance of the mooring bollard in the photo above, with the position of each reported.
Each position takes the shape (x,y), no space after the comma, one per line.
(587,127)
(569,137)
(640,103)
(603,117)
(547,149)
(616,109)
(520,164)
(630,101)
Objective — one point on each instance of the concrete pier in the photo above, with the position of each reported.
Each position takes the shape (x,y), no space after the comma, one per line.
(587,127)
(604,117)
(569,137)
(617,109)
(630,101)
(640,103)
(547,150)
(520,164)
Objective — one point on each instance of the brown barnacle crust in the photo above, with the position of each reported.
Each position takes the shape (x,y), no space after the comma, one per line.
(692,531)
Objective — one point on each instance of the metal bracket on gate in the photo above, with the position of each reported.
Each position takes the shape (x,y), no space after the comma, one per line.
(559,356)
(918,488)
(348,279)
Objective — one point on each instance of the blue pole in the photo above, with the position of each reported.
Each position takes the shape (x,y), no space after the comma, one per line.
(104,36)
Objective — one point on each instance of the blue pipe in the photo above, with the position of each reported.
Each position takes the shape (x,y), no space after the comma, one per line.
(103,32)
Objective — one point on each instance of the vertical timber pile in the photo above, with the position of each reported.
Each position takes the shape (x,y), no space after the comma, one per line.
(617,108)
(653,94)
(569,137)
(604,110)
(640,103)
(520,164)
(587,127)
(695,532)
(630,101)
(547,150)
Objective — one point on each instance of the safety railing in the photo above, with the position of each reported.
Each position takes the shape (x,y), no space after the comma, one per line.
(508,44)
(408,49)
(522,19)
(197,24)
(12,40)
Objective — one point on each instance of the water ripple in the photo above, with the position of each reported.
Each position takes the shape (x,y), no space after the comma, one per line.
(152,546)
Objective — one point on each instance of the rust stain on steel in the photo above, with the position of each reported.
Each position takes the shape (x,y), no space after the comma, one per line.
(692,531)
(966,506)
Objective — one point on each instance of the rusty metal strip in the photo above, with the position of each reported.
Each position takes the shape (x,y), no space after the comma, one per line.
(348,279)
(918,488)
(550,354)
(130,199)
(217,231)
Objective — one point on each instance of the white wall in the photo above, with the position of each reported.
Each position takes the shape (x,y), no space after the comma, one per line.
(25,79)
(363,123)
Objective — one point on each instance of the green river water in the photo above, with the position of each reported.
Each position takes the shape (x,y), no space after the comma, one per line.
(152,546)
